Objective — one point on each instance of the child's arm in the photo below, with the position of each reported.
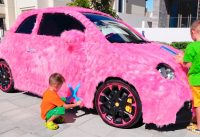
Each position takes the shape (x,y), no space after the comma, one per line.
(68,106)
(179,59)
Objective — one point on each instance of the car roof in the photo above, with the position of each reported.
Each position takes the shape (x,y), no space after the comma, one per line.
(65,9)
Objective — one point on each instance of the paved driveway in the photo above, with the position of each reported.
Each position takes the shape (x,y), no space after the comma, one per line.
(20,117)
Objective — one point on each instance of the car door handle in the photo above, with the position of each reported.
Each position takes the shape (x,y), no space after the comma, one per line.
(31,50)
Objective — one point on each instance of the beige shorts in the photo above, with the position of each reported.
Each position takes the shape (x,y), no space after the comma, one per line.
(196,95)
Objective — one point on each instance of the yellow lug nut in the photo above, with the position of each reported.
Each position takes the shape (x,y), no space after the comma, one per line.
(117,104)
(129,100)
(128,109)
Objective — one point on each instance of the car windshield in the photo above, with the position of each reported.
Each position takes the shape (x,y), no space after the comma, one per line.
(114,31)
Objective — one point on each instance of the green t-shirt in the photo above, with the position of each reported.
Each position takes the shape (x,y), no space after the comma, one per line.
(192,54)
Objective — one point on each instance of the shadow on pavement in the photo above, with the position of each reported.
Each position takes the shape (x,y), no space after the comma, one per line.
(171,127)
(139,123)
(72,114)
(25,92)
(15,91)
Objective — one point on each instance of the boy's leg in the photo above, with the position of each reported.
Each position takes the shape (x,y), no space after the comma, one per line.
(198,117)
(53,118)
(196,103)
(55,113)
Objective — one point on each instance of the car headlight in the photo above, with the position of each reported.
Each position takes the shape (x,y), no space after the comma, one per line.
(166,71)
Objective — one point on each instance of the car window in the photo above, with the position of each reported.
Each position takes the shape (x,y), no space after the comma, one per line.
(27,25)
(55,24)
(114,31)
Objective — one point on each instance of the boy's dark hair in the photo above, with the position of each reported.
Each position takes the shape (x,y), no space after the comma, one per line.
(56,78)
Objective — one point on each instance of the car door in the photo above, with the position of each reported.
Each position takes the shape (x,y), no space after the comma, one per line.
(14,48)
(49,53)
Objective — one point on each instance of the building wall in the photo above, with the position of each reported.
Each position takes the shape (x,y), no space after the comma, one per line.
(42,3)
(9,12)
(163,14)
(156,9)
(175,13)
(61,2)
(133,12)
(21,6)
(12,8)
(135,21)
(136,7)
(2,9)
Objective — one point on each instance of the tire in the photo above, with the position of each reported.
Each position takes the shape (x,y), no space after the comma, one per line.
(118,103)
(6,78)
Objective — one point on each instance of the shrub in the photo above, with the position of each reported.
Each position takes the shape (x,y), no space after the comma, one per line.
(180,45)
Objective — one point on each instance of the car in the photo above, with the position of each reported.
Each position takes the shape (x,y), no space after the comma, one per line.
(123,75)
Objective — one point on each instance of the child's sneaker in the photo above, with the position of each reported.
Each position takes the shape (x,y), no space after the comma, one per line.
(51,125)
(191,126)
(197,131)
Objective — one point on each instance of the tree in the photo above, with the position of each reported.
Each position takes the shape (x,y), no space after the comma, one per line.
(80,3)
(104,6)
(101,5)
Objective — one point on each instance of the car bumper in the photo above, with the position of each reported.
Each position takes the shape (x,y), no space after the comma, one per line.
(184,115)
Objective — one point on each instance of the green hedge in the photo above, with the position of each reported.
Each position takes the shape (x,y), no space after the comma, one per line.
(180,45)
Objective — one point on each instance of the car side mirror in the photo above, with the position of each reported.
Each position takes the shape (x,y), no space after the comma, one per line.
(73,36)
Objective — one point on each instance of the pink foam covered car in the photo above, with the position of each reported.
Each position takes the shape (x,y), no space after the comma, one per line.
(122,75)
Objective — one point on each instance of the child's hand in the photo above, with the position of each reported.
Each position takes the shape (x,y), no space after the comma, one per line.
(179,58)
(78,103)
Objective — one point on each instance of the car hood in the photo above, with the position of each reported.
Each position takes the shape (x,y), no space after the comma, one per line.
(149,53)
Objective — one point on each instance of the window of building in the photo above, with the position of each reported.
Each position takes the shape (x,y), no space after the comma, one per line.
(27,25)
(55,24)
(182,12)
(1,23)
(1,1)
(120,5)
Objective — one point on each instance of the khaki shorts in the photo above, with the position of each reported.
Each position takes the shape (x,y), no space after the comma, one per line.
(196,95)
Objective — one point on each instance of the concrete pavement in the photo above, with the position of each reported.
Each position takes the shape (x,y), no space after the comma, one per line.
(20,117)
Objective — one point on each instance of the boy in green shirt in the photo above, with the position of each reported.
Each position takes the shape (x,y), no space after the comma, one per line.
(191,60)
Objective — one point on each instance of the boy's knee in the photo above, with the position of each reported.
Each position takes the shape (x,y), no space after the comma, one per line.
(55,112)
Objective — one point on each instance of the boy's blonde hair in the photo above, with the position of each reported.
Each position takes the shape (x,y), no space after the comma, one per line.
(56,79)
(195,25)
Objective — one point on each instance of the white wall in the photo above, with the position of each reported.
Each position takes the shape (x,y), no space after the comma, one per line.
(166,34)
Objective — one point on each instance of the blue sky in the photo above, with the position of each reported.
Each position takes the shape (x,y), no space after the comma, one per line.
(149,5)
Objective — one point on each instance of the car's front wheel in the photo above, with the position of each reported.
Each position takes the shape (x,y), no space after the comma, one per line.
(6,79)
(118,103)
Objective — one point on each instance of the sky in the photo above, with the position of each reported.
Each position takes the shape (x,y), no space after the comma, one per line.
(149,5)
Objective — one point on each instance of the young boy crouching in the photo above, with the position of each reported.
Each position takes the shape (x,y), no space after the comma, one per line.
(52,106)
